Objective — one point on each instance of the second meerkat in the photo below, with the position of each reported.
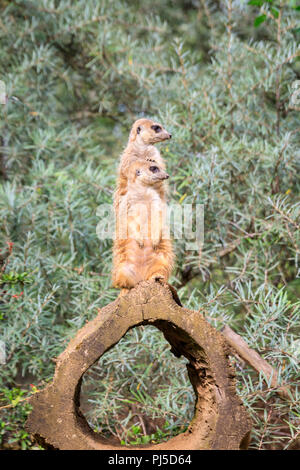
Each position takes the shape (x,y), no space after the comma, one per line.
(142,247)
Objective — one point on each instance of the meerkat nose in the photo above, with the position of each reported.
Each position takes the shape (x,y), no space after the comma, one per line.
(170,136)
(167,176)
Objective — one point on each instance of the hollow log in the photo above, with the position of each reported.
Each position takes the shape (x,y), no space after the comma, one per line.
(220,421)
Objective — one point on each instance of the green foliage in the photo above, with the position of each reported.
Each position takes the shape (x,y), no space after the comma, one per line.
(77,75)
(135,436)
(12,422)
(13,278)
(138,381)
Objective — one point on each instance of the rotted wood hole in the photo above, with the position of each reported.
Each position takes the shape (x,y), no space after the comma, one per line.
(220,420)
(138,392)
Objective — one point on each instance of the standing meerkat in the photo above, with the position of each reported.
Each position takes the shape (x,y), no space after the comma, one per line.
(142,247)
(143,135)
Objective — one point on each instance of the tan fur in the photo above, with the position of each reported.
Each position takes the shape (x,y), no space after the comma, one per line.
(142,249)
(140,147)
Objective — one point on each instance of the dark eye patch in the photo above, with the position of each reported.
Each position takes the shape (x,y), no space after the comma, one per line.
(138,130)
(154,169)
(156,128)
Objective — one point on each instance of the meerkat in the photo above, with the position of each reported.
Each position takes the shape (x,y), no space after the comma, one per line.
(142,248)
(143,135)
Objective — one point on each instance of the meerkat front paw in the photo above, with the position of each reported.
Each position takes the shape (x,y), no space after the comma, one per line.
(155,242)
(158,277)
(140,241)
(123,292)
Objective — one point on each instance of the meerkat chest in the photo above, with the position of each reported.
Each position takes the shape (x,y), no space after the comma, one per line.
(145,206)
(148,213)
(148,196)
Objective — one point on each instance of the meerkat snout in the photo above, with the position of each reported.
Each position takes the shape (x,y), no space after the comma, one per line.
(159,129)
(160,174)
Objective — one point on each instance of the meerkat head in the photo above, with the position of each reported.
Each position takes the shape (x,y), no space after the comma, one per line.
(148,132)
(146,174)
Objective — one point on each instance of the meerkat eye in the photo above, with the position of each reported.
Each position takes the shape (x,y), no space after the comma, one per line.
(138,130)
(154,169)
(156,128)
(137,172)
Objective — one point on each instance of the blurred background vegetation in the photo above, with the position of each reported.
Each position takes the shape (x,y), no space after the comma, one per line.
(222,78)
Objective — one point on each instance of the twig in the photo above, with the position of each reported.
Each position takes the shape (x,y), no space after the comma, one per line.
(278,74)
(285,216)
(11,405)
(265,429)
(220,254)
(275,178)
(255,360)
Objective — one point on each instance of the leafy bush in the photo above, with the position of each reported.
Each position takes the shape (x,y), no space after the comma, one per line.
(221,77)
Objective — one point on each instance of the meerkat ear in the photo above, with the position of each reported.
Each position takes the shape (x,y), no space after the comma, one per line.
(138,130)
(137,172)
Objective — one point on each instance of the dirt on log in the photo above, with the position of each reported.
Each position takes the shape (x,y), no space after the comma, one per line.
(220,421)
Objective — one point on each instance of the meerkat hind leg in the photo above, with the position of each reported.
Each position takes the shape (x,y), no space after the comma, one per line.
(127,276)
(124,291)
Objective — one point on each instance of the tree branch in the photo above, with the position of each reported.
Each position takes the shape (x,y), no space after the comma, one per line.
(255,361)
